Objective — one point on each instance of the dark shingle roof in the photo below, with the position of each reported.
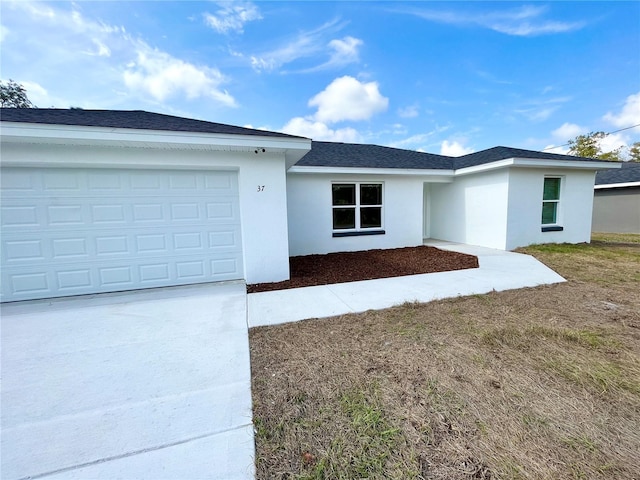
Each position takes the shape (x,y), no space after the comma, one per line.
(629,172)
(135,119)
(354,155)
(330,154)
(502,153)
(324,154)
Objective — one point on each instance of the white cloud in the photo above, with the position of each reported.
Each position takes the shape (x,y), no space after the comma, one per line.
(302,46)
(524,21)
(629,115)
(398,129)
(39,10)
(86,62)
(4,31)
(101,49)
(563,149)
(408,112)
(422,142)
(345,51)
(162,76)
(454,149)
(36,93)
(537,114)
(232,16)
(343,99)
(528,29)
(348,99)
(413,141)
(308,44)
(320,131)
(568,131)
(539,110)
(612,142)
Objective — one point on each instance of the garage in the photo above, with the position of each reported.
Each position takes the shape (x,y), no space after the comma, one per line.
(97,201)
(80,231)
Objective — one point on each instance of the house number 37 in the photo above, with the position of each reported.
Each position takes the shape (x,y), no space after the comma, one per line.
(261,188)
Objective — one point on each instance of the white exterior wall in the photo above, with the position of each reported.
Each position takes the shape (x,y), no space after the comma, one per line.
(264,219)
(472,209)
(310,214)
(263,213)
(525,207)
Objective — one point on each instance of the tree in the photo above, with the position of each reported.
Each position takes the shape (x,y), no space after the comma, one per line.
(588,146)
(634,152)
(14,95)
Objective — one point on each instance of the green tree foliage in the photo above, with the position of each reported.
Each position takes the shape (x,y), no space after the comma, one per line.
(589,146)
(634,152)
(14,95)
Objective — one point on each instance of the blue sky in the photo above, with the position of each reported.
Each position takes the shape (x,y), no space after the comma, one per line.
(442,77)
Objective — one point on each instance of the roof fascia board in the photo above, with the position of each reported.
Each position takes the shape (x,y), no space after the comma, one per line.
(445,175)
(484,167)
(537,163)
(616,185)
(45,133)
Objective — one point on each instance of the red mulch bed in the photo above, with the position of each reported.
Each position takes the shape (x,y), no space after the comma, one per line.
(343,267)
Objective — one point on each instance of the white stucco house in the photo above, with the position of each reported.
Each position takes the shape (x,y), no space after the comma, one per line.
(101,201)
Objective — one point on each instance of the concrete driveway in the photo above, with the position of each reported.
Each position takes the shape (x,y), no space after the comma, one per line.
(151,385)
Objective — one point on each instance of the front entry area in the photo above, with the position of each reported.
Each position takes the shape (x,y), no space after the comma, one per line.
(73,231)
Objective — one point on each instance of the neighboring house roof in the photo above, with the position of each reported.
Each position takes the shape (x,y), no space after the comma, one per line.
(133,119)
(355,155)
(628,174)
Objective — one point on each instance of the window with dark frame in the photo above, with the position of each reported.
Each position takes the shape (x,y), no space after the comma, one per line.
(357,206)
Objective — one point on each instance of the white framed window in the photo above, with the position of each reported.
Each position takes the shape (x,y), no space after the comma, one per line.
(357,207)
(551,193)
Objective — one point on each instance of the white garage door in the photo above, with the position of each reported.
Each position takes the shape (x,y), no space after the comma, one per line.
(79,231)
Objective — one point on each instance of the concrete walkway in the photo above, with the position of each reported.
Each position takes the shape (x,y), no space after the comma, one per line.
(499,270)
(142,385)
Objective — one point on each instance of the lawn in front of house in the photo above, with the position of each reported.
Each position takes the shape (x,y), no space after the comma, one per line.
(533,383)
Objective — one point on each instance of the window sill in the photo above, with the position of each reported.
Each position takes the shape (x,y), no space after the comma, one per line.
(358,234)
(553,228)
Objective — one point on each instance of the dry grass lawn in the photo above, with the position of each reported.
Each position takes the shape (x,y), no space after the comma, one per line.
(540,383)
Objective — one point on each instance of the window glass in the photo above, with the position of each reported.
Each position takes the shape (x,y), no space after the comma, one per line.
(549,210)
(371,194)
(551,189)
(344,194)
(370,217)
(344,218)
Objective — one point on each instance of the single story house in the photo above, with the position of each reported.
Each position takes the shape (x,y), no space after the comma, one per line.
(100,201)
(616,202)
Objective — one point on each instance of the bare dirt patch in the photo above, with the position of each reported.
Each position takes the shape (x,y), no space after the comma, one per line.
(539,383)
(343,267)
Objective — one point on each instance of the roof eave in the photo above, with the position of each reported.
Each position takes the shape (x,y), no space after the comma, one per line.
(538,163)
(445,175)
(294,147)
(616,185)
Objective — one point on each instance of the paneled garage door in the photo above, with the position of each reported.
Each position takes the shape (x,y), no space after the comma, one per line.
(78,231)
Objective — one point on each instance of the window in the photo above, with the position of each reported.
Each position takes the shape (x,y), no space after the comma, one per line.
(551,200)
(357,208)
